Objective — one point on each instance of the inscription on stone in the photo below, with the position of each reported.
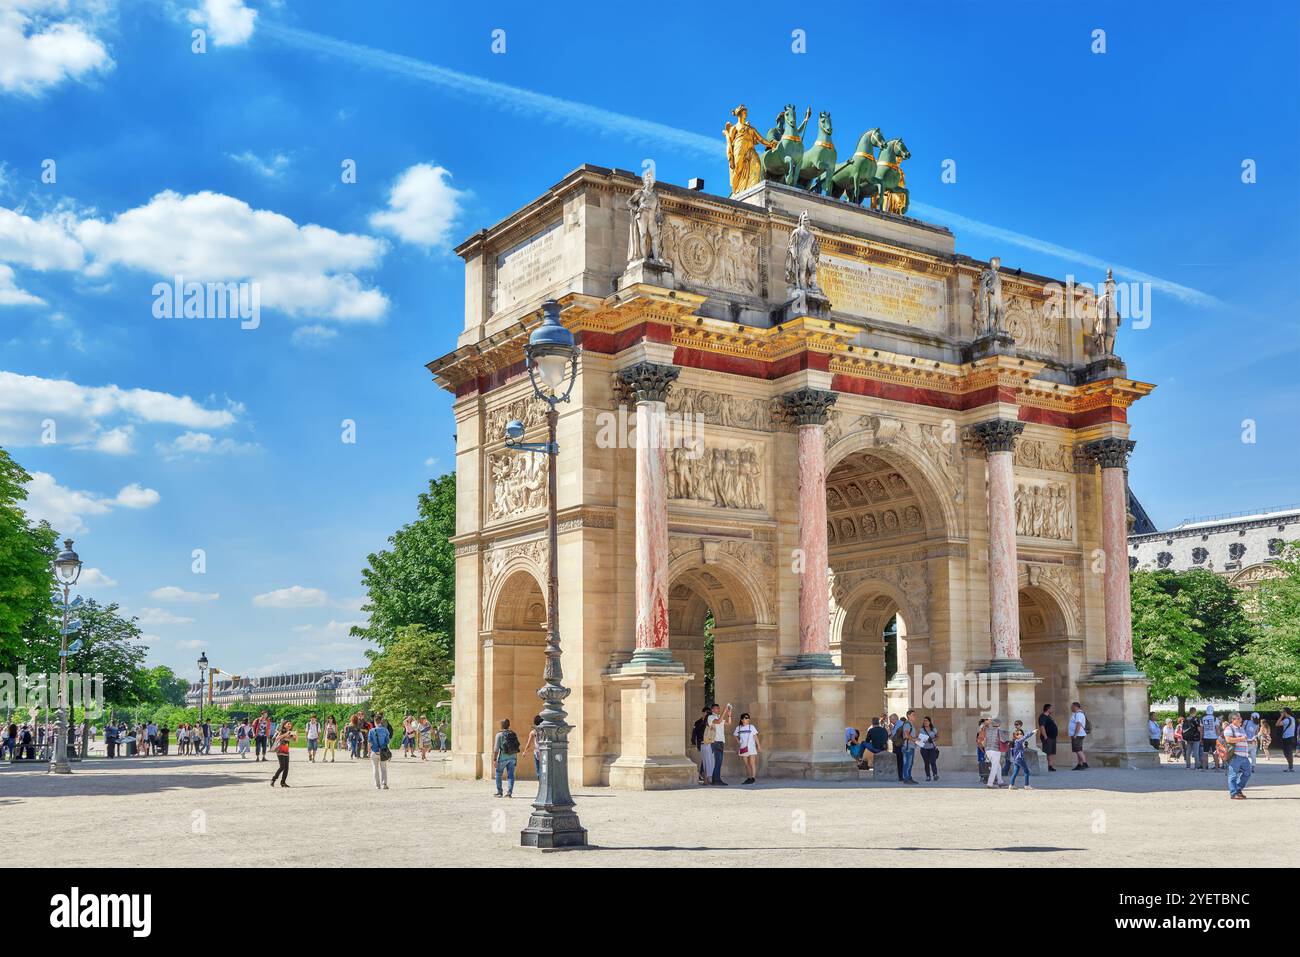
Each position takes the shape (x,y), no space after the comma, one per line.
(528,268)
(876,292)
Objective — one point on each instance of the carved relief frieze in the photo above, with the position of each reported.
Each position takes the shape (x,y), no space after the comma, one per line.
(1045,455)
(1043,510)
(707,254)
(516,483)
(721,477)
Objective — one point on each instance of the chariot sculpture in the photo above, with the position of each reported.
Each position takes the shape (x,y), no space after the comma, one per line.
(864,177)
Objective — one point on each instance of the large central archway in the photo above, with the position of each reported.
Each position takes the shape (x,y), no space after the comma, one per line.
(881,511)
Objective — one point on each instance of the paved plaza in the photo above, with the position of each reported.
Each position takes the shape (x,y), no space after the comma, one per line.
(218,811)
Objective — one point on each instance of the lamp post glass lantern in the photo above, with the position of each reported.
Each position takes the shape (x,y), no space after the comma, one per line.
(552,360)
(67,569)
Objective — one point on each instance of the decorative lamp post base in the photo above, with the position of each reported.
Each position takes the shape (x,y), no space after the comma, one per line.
(555,829)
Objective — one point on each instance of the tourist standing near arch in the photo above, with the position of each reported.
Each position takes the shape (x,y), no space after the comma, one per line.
(378,738)
(746,735)
(928,741)
(717,739)
(505,752)
(1047,732)
(1078,730)
(1239,741)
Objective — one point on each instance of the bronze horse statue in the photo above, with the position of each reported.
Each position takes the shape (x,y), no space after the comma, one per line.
(854,179)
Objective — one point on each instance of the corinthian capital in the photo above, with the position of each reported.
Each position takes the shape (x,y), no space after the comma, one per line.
(808,406)
(1110,453)
(649,381)
(997,435)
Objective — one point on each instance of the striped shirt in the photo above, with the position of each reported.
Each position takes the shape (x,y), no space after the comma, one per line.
(1238,740)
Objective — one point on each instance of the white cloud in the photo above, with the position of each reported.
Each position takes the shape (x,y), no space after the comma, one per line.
(203,443)
(45,243)
(65,508)
(229,22)
(115,441)
(422,206)
(134,496)
(190,644)
(44,42)
(11,295)
(172,593)
(161,616)
(307,337)
(293,597)
(80,412)
(330,632)
(304,270)
(94,578)
(272,168)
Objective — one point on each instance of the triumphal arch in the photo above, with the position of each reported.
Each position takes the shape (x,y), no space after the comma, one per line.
(874,472)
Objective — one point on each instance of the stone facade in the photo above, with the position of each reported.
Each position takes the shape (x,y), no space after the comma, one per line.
(822,474)
(1242,547)
(305,688)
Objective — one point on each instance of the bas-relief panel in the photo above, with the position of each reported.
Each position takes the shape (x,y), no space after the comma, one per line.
(1045,455)
(720,257)
(1036,328)
(721,474)
(1043,509)
(516,483)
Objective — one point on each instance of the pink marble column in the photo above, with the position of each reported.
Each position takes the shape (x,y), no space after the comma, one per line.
(808,408)
(651,527)
(998,436)
(648,384)
(1112,455)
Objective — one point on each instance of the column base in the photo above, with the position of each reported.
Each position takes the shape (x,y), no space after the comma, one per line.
(651,689)
(1117,704)
(1006,666)
(806,740)
(650,272)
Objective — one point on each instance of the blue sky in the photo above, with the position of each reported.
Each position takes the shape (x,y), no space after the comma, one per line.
(226,165)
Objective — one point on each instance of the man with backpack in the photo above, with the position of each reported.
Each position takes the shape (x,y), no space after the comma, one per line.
(1192,741)
(505,754)
(896,742)
(1078,729)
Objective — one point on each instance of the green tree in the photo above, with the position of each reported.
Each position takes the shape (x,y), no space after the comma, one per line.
(26,582)
(161,686)
(413,582)
(1167,639)
(410,673)
(1218,606)
(1271,659)
(110,646)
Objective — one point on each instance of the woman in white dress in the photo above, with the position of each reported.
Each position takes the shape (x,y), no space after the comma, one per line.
(746,735)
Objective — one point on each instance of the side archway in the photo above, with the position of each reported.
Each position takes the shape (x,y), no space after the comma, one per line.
(513,658)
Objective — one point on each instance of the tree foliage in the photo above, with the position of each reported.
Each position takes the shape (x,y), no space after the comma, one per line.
(413,582)
(26,582)
(1271,659)
(410,674)
(1167,637)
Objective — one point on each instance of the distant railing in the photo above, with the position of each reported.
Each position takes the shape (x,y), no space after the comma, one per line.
(1202,519)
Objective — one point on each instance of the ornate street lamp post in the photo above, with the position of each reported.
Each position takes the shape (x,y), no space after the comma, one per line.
(552,359)
(67,568)
(203,667)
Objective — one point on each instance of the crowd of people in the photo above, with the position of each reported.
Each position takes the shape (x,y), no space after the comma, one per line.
(1195,738)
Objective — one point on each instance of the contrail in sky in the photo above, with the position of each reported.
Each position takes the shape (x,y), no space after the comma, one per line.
(533,104)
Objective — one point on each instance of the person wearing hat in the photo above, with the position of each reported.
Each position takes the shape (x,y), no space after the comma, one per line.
(1210,739)
(994,741)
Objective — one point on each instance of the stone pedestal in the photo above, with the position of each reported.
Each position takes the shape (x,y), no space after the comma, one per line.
(807,735)
(651,272)
(1117,705)
(989,344)
(654,729)
(802,303)
(1013,696)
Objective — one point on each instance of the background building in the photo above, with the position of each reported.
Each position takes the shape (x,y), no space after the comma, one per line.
(349,686)
(1242,546)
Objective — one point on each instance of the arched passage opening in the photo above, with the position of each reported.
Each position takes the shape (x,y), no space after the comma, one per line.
(881,510)
(718,629)
(1045,647)
(513,659)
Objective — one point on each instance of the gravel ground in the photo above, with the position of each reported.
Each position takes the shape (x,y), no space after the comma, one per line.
(217,811)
